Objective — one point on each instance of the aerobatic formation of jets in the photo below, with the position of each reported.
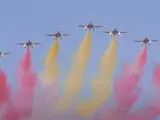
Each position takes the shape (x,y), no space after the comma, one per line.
(89,26)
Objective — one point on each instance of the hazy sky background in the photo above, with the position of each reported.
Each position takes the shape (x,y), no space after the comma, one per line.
(32,19)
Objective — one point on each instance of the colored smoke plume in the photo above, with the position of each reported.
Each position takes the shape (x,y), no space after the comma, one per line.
(50,65)
(21,105)
(125,89)
(73,81)
(4,88)
(156,76)
(47,95)
(101,85)
(125,85)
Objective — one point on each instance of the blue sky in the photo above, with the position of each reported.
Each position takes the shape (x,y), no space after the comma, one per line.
(32,19)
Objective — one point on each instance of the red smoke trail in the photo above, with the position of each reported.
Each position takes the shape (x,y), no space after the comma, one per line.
(4,88)
(27,81)
(25,62)
(156,85)
(153,108)
(128,81)
(125,85)
(11,113)
(23,99)
(124,106)
(143,114)
(156,76)
(26,78)
(155,105)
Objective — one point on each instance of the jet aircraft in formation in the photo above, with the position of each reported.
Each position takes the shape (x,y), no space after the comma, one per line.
(145,41)
(28,44)
(2,54)
(89,26)
(57,35)
(114,32)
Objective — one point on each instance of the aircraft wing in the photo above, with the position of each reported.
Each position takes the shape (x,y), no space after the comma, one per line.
(20,43)
(97,26)
(137,41)
(66,34)
(36,43)
(123,32)
(106,31)
(6,53)
(154,40)
(81,26)
(50,34)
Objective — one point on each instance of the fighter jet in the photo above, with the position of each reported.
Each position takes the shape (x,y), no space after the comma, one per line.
(28,44)
(145,41)
(57,35)
(89,26)
(2,54)
(114,32)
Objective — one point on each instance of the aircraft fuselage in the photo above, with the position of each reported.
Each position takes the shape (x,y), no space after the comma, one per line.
(145,41)
(29,43)
(114,32)
(57,34)
(90,26)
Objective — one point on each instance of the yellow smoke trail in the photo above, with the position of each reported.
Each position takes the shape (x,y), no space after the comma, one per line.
(100,86)
(74,78)
(50,66)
